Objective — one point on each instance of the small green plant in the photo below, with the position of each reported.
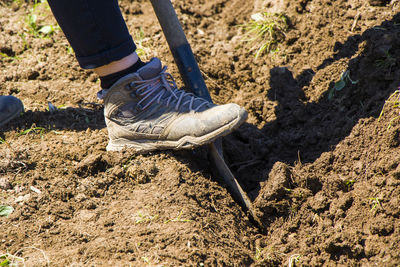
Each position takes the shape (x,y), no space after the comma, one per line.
(143,218)
(178,218)
(349,183)
(142,44)
(8,260)
(339,85)
(394,103)
(39,130)
(2,141)
(25,43)
(128,163)
(18,2)
(258,253)
(5,210)
(386,63)
(265,31)
(376,202)
(5,56)
(288,190)
(32,20)
(293,211)
(37,30)
(70,50)
(4,261)
(51,108)
(294,259)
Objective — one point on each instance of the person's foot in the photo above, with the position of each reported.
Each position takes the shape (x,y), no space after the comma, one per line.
(10,107)
(145,111)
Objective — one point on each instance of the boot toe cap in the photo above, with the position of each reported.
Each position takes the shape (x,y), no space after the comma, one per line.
(10,107)
(220,120)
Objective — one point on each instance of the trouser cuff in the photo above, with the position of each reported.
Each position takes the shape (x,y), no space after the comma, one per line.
(107,56)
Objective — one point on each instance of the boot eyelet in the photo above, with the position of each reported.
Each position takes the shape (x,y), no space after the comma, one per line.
(139,107)
(130,86)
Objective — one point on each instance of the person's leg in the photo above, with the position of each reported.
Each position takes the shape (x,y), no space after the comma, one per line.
(98,34)
(143,108)
(95,29)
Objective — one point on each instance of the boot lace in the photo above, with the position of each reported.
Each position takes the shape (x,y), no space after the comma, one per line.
(162,86)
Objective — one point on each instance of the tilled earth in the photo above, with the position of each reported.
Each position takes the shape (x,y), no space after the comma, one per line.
(320,165)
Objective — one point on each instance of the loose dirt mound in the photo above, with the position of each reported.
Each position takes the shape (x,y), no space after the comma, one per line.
(321,165)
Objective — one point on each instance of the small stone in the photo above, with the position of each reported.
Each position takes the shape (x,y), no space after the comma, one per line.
(34,189)
(19,188)
(23,198)
(86,215)
(5,184)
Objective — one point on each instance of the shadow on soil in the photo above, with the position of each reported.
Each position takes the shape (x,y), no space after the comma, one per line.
(87,116)
(304,130)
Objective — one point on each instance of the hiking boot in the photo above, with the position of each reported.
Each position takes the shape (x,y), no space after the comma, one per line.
(10,107)
(145,111)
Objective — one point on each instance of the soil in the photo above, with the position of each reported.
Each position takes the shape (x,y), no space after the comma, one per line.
(320,165)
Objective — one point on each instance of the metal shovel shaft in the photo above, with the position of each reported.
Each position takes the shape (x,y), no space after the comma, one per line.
(192,78)
(180,48)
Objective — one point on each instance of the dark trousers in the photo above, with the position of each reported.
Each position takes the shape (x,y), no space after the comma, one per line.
(95,29)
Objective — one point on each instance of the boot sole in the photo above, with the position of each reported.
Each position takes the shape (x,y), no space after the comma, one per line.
(186,142)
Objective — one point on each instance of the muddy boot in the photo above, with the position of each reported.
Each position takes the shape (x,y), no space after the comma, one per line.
(10,107)
(145,111)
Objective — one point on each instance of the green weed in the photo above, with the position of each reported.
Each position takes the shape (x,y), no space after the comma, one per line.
(178,218)
(339,85)
(51,108)
(2,141)
(128,163)
(5,56)
(265,31)
(18,2)
(8,260)
(376,202)
(393,102)
(25,43)
(386,63)
(257,256)
(143,45)
(143,218)
(70,50)
(349,184)
(294,259)
(39,130)
(32,20)
(5,211)
(288,190)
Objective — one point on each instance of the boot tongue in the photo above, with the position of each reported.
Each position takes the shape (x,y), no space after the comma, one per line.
(151,69)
